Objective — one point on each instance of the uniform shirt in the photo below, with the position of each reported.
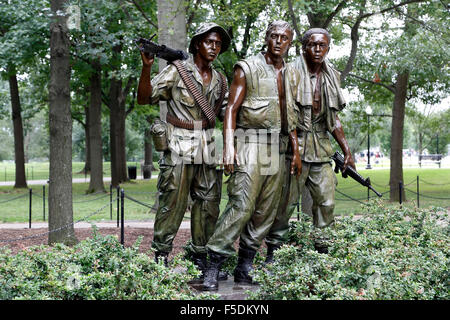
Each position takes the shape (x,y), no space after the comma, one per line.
(168,86)
(314,129)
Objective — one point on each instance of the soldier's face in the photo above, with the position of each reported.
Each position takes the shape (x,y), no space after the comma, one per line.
(279,41)
(209,47)
(317,48)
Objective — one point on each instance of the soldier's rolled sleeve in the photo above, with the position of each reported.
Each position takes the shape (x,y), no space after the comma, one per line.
(162,84)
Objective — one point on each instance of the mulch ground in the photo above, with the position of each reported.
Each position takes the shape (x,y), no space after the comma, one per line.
(130,236)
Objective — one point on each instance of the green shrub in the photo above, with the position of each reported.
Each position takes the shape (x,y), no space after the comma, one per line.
(96,268)
(386,254)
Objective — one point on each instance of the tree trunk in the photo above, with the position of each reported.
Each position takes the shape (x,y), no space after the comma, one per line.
(117,100)
(171,32)
(19,154)
(113,110)
(87,163)
(117,134)
(420,147)
(398,118)
(121,141)
(95,130)
(60,219)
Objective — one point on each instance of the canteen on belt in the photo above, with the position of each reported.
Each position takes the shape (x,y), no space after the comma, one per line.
(158,130)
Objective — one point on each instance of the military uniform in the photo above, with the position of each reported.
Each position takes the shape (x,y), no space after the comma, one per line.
(254,188)
(188,166)
(313,130)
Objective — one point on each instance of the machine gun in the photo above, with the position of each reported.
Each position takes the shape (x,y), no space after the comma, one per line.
(149,47)
(339,161)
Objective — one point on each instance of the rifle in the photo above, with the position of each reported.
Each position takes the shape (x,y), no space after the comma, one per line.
(161,51)
(339,161)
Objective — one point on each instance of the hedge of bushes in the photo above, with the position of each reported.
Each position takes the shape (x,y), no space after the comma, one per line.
(96,268)
(386,254)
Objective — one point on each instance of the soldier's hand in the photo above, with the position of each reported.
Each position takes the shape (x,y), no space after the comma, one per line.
(229,159)
(348,161)
(229,169)
(147,60)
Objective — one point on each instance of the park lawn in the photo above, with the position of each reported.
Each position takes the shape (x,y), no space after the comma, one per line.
(87,207)
(434,183)
(14,203)
(40,170)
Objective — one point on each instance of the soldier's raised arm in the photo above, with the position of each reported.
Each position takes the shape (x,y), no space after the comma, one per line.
(145,85)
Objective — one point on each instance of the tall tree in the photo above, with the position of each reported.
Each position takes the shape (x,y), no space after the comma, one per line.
(407,62)
(22,40)
(19,152)
(60,221)
(106,39)
(95,130)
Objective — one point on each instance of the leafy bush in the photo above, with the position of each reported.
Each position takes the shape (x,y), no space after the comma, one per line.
(386,254)
(96,268)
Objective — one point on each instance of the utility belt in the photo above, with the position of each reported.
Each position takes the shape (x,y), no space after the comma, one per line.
(188,124)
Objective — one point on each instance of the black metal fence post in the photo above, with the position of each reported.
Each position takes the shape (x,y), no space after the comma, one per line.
(418,204)
(298,211)
(110,200)
(43,201)
(118,204)
(122,214)
(400,187)
(29,212)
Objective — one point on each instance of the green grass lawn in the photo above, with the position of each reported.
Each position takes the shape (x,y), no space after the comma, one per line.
(434,183)
(40,170)
(14,204)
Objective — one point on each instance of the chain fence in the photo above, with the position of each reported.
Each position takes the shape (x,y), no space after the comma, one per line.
(121,195)
(39,235)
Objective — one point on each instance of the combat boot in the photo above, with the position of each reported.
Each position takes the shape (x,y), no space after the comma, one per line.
(161,255)
(211,279)
(244,266)
(320,248)
(199,259)
(321,244)
(270,249)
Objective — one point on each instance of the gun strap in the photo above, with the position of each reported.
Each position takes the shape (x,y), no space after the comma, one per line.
(199,98)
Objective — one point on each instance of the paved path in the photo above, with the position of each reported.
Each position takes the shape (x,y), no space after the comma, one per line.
(228,290)
(75,180)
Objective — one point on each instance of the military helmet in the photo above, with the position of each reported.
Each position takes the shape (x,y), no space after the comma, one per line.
(209,27)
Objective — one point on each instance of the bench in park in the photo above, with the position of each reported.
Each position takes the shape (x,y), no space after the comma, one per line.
(436,158)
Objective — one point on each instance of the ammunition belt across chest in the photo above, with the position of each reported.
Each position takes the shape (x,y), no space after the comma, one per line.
(209,114)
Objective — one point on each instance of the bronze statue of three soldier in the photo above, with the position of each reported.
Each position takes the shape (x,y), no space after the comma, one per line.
(277,117)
